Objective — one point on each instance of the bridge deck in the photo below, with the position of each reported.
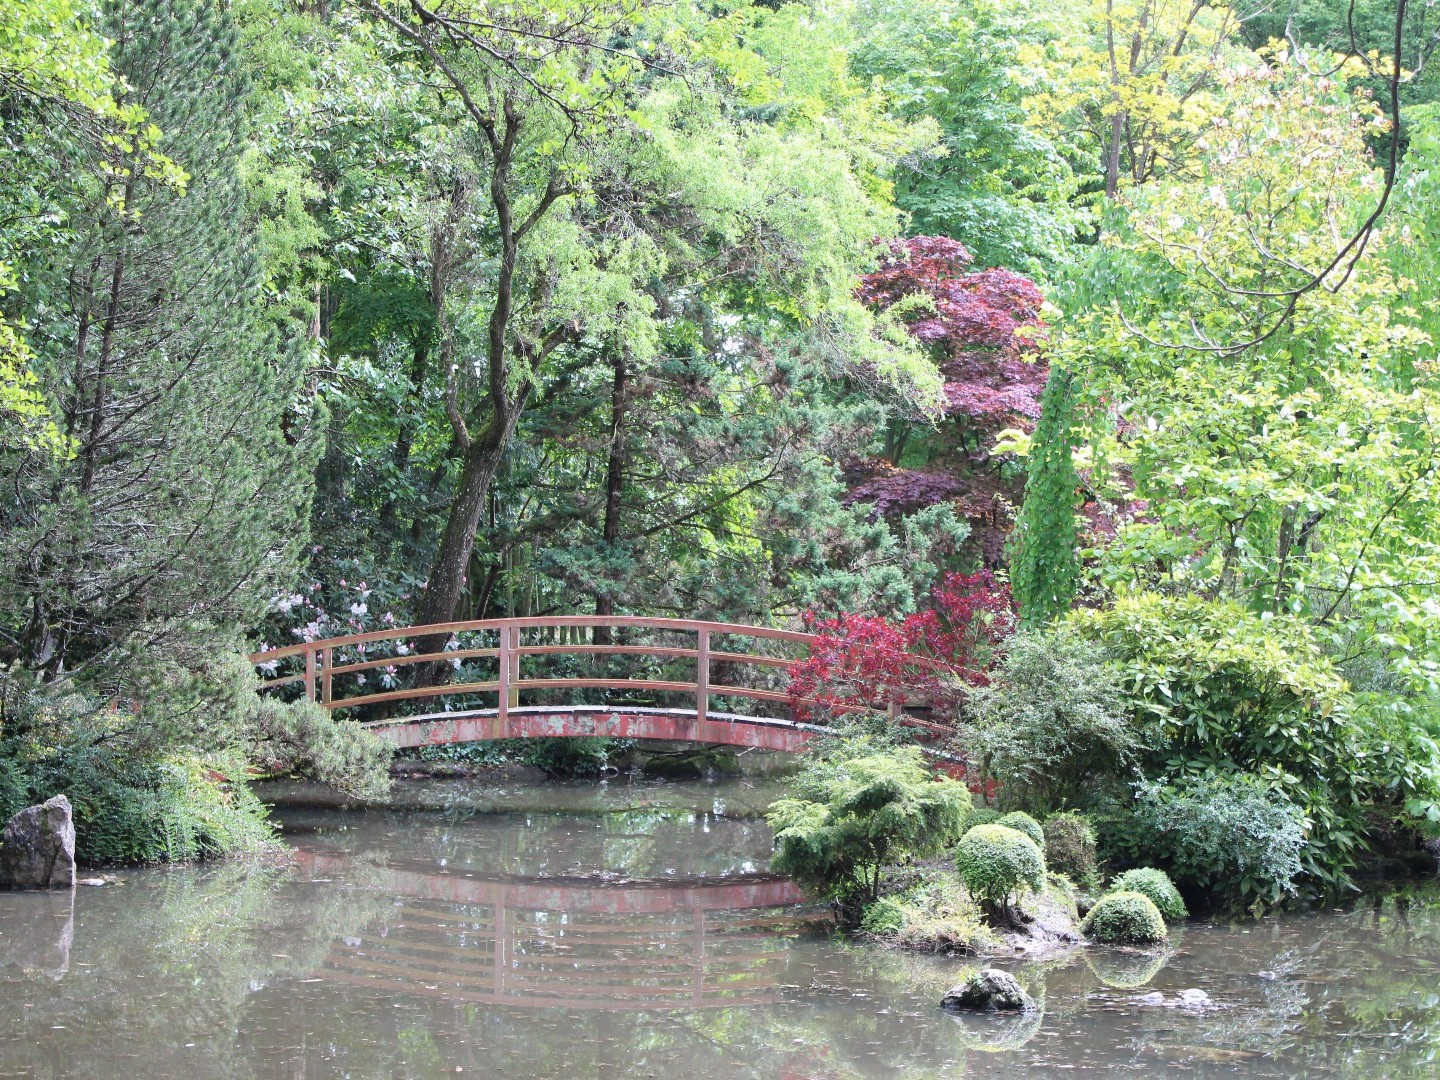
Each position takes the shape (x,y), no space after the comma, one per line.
(614,721)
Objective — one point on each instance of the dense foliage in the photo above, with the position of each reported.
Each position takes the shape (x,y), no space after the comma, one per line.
(1067,369)
(1070,847)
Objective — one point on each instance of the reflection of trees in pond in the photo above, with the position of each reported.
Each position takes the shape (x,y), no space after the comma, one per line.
(641,842)
(166,963)
(866,1018)
(1348,993)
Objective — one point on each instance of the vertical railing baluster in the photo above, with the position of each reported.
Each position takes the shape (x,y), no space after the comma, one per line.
(503,687)
(514,666)
(702,675)
(309,674)
(325,682)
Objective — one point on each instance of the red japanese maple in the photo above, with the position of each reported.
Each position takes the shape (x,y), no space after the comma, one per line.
(982,324)
(868,662)
(983,328)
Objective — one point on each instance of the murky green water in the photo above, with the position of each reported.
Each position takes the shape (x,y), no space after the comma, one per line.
(629,930)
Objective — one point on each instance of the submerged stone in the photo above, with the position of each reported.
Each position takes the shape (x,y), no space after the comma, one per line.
(38,849)
(990,990)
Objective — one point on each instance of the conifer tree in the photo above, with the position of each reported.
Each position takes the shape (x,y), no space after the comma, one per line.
(183,504)
(1044,570)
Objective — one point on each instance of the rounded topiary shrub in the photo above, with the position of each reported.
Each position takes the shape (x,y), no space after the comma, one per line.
(982,815)
(995,862)
(1125,918)
(1070,847)
(1157,885)
(1023,822)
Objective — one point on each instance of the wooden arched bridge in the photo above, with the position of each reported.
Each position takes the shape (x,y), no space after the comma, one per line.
(700,664)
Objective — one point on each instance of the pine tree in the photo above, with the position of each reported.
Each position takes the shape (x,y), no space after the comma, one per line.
(1044,569)
(183,506)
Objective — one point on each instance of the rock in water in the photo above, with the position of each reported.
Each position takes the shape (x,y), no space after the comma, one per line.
(38,850)
(990,990)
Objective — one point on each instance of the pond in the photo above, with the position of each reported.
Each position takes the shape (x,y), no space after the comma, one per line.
(630,929)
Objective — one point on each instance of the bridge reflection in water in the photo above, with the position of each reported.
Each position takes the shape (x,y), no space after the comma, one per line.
(569,943)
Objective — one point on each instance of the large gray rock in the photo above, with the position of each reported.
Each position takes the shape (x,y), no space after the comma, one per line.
(38,849)
(990,990)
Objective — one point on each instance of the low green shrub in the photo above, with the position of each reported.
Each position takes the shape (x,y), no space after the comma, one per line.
(163,811)
(1157,886)
(135,799)
(301,736)
(856,808)
(583,756)
(1070,847)
(996,862)
(883,916)
(1023,822)
(1125,918)
(933,915)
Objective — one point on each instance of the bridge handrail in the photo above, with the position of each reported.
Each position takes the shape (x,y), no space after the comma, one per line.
(319,670)
(545,623)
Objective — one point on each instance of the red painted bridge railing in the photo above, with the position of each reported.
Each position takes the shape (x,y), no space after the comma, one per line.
(338,672)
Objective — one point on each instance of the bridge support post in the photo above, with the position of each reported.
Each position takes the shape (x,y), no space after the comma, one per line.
(514,632)
(327,661)
(502,684)
(310,674)
(702,676)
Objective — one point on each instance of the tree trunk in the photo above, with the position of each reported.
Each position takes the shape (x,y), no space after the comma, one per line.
(447,573)
(614,482)
(1112,155)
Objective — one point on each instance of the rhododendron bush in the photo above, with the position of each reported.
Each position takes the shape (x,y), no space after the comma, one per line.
(929,657)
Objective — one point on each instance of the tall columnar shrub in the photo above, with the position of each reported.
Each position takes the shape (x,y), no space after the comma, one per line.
(1044,568)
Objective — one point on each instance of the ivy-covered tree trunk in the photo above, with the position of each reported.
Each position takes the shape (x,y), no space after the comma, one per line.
(1044,570)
